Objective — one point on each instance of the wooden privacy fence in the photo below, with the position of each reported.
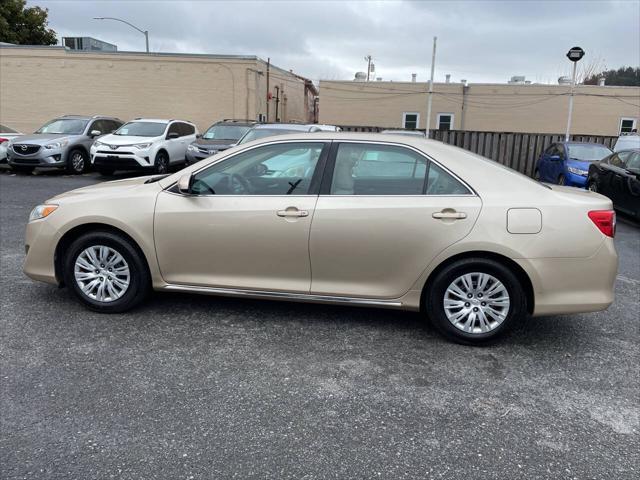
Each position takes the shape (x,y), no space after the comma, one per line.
(519,151)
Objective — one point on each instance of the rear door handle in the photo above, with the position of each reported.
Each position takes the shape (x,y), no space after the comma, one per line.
(292,212)
(449,215)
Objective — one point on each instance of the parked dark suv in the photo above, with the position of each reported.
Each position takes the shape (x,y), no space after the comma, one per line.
(63,142)
(218,137)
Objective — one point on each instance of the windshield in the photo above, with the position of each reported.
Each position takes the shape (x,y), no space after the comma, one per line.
(588,153)
(633,163)
(258,133)
(225,132)
(141,129)
(69,126)
(4,129)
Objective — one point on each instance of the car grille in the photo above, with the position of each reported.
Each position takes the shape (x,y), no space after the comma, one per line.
(115,162)
(25,149)
(26,161)
(114,153)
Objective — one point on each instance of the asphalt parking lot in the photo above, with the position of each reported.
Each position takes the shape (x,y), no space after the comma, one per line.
(204,387)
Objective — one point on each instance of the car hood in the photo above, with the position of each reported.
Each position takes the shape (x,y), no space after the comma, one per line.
(42,138)
(125,139)
(108,189)
(214,143)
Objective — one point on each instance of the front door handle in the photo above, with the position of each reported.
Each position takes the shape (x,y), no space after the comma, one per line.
(449,215)
(292,212)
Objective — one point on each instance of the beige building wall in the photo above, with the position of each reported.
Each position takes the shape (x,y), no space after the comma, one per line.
(480,107)
(40,83)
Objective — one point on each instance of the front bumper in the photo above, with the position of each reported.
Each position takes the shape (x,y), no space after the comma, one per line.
(194,157)
(574,180)
(54,157)
(129,159)
(40,246)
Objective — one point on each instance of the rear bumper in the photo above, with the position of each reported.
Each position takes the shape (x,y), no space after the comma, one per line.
(573,285)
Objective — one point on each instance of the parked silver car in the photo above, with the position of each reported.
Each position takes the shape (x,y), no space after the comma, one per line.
(61,143)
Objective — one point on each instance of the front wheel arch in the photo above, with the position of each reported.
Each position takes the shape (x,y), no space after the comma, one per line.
(517,270)
(69,237)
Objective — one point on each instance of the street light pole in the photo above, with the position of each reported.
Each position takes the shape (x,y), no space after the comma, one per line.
(144,32)
(575,55)
(433,66)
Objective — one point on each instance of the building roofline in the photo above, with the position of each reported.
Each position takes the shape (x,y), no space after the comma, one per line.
(387,83)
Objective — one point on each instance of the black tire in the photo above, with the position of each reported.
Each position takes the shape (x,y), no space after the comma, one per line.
(562,179)
(139,278)
(435,296)
(161,163)
(21,169)
(536,175)
(593,185)
(77,161)
(105,171)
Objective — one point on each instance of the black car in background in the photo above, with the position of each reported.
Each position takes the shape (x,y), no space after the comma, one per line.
(218,137)
(618,177)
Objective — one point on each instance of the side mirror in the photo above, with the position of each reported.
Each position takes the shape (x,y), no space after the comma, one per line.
(198,135)
(184,184)
(172,135)
(95,133)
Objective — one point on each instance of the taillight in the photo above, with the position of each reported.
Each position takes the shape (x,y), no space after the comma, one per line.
(2,140)
(605,220)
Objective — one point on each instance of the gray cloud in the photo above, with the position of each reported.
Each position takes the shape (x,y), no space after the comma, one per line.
(482,41)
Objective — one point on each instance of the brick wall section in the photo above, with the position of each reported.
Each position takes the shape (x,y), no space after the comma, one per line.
(40,83)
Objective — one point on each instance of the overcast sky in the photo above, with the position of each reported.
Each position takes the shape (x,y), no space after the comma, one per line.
(477,40)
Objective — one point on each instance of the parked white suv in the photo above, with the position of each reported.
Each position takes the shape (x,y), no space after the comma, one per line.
(144,143)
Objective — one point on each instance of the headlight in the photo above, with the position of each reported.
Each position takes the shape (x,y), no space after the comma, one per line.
(60,144)
(98,144)
(42,211)
(578,171)
(142,146)
(192,148)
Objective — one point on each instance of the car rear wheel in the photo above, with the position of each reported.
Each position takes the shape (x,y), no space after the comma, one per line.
(474,301)
(106,272)
(77,162)
(161,164)
(593,186)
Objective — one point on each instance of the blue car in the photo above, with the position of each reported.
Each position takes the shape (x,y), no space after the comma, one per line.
(567,163)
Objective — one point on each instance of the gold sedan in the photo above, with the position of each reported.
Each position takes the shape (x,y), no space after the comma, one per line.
(358,219)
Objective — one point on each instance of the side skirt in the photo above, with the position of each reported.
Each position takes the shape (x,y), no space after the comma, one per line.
(296,297)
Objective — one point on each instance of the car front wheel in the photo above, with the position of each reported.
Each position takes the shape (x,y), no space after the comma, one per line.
(161,164)
(593,186)
(106,272)
(474,301)
(77,162)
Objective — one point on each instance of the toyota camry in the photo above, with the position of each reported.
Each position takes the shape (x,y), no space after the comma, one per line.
(344,218)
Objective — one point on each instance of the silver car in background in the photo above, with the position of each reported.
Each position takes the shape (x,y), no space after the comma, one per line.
(63,143)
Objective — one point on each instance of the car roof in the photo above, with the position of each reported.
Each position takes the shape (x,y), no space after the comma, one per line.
(87,117)
(301,127)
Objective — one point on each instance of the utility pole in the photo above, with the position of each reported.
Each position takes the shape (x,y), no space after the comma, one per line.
(268,99)
(433,66)
(368,58)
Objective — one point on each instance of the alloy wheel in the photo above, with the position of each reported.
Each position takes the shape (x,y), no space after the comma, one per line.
(476,303)
(77,162)
(102,273)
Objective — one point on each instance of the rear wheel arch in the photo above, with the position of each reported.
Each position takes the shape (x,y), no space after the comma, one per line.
(70,236)
(516,269)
